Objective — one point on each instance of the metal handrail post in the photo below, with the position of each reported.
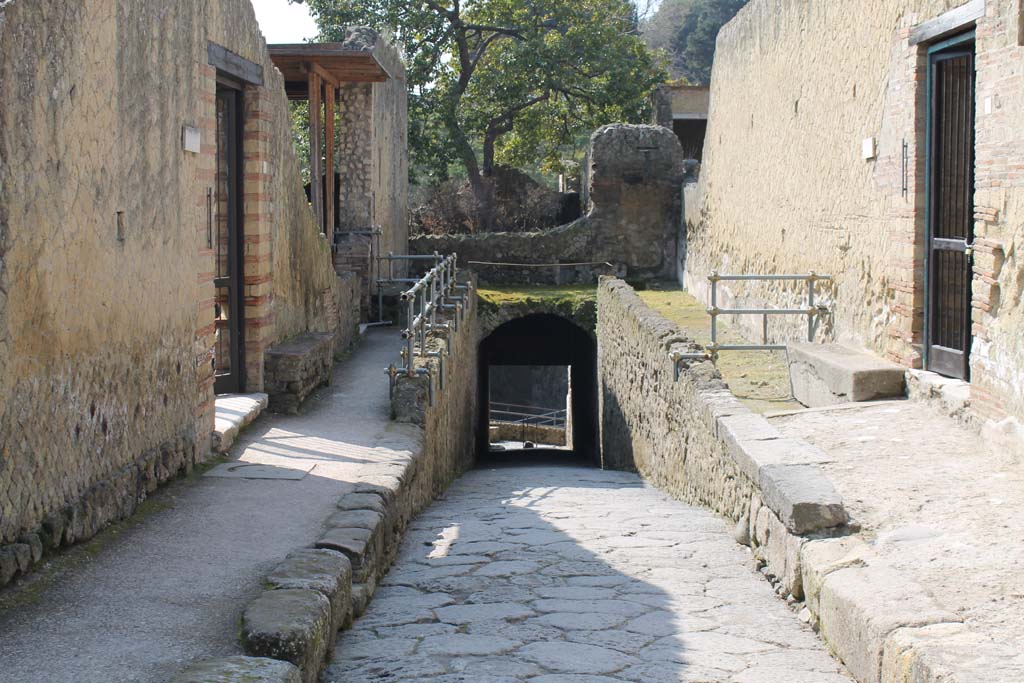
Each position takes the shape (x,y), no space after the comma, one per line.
(810,307)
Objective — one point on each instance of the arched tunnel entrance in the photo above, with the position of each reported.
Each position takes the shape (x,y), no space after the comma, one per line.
(551,341)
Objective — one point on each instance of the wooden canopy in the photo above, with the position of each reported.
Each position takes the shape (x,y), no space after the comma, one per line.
(335,63)
(314,72)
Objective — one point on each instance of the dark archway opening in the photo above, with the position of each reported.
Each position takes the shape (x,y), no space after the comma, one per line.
(545,340)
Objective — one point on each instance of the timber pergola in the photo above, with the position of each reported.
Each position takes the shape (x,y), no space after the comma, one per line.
(314,72)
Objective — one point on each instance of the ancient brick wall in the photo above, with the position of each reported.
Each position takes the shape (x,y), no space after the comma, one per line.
(106,292)
(797,86)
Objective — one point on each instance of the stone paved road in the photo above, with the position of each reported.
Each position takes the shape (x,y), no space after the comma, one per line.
(566,574)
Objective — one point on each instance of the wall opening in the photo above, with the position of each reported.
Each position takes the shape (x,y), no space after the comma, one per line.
(524,359)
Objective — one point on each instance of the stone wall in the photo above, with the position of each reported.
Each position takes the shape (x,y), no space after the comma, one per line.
(444,402)
(691,437)
(797,86)
(373,169)
(106,279)
(630,228)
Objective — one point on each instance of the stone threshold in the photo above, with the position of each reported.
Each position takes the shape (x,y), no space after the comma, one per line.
(232,414)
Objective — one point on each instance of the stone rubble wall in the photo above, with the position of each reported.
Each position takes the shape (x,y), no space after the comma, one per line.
(106,339)
(634,211)
(373,169)
(694,439)
(797,86)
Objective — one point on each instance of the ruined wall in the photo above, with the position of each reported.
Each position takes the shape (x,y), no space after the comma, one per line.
(691,437)
(634,179)
(106,332)
(797,85)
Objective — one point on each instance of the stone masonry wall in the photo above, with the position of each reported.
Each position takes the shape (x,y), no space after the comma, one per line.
(444,402)
(635,208)
(691,437)
(106,292)
(797,85)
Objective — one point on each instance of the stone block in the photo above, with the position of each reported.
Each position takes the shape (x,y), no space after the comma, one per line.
(821,557)
(354,543)
(362,501)
(751,456)
(802,497)
(240,670)
(828,374)
(947,653)
(860,606)
(780,551)
(8,565)
(289,624)
(358,519)
(293,369)
(326,571)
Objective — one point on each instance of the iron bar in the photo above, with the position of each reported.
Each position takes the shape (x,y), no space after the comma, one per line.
(717,277)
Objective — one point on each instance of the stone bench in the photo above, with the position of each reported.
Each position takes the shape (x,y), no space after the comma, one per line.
(828,374)
(293,369)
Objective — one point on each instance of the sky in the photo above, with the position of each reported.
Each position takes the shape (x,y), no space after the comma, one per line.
(282,22)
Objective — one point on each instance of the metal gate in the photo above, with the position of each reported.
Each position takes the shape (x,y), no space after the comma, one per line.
(950,205)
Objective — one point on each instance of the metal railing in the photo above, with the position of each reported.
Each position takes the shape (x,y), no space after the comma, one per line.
(811,310)
(513,413)
(435,294)
(378,259)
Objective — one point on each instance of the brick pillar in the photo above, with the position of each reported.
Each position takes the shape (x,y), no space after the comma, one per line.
(206,175)
(256,229)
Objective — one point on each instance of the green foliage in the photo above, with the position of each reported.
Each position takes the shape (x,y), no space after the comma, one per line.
(506,81)
(686,31)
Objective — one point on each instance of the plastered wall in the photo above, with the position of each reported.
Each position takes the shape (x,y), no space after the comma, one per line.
(797,86)
(106,333)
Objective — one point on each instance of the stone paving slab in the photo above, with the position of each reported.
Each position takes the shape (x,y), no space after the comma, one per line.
(148,598)
(937,507)
(567,574)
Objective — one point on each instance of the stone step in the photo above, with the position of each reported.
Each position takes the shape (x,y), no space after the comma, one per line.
(828,374)
(232,414)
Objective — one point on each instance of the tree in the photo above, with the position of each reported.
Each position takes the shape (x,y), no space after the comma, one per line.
(687,30)
(507,80)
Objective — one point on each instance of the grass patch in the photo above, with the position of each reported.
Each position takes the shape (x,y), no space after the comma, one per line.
(760,379)
(512,296)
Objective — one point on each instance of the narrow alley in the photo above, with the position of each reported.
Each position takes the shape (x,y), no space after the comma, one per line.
(559,573)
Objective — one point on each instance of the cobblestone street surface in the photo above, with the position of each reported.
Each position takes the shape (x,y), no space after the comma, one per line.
(566,574)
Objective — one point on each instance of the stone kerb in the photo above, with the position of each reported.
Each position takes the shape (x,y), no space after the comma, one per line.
(693,438)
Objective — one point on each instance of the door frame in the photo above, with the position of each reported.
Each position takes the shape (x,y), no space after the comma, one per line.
(234,381)
(928,286)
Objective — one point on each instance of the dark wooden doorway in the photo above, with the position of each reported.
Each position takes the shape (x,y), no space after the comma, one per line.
(950,206)
(229,309)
